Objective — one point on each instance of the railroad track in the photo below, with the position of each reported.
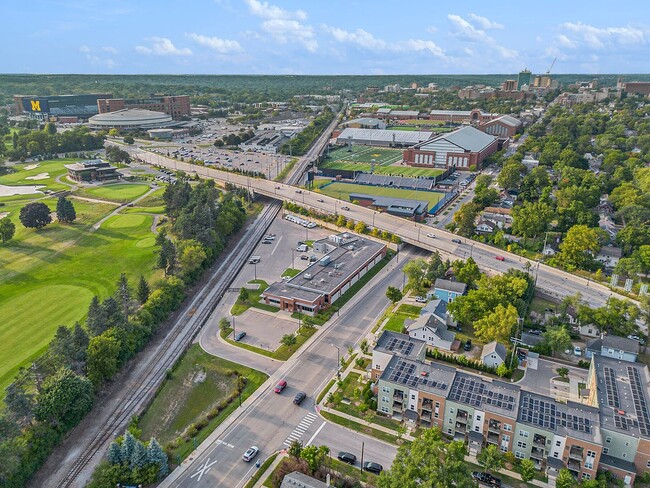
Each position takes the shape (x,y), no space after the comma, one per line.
(177,341)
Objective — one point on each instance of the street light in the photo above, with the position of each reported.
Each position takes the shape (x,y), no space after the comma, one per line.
(255,270)
(234,331)
(338,361)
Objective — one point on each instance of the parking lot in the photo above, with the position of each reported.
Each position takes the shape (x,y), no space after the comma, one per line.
(264,329)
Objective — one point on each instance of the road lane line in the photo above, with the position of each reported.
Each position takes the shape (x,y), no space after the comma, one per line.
(316,433)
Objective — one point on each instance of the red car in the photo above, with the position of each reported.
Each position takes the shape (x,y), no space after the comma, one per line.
(499,258)
(282,384)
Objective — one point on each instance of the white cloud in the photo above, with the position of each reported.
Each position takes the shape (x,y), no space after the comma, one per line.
(485,23)
(96,60)
(268,11)
(221,46)
(366,40)
(109,49)
(597,38)
(565,41)
(84,49)
(284,26)
(465,30)
(161,46)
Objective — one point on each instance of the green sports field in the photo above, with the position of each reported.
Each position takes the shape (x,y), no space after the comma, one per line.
(49,276)
(360,157)
(343,190)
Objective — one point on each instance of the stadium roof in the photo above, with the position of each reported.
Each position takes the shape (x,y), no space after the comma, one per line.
(468,138)
(133,118)
(385,136)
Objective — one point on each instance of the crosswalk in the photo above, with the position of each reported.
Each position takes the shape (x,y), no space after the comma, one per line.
(298,433)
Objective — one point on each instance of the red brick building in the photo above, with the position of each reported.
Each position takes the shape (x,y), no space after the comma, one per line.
(504,126)
(176,106)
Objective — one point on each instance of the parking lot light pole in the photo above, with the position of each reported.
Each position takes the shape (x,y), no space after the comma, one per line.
(255,270)
(234,331)
(292,261)
(338,361)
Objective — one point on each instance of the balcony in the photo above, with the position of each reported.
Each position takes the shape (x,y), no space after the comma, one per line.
(427,405)
(461,416)
(537,453)
(398,396)
(426,415)
(539,440)
(576,453)
(573,465)
(461,427)
(398,407)
(493,438)
(494,426)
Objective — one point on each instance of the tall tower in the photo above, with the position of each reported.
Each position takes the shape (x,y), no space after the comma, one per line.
(523,79)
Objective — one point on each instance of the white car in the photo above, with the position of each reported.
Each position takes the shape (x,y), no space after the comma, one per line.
(421,299)
(250,453)
(577,350)
(431,236)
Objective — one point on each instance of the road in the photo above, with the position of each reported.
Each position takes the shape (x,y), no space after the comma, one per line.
(271,420)
(554,282)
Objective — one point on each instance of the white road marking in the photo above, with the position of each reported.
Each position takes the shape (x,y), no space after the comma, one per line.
(203,469)
(276,246)
(224,443)
(315,434)
(298,432)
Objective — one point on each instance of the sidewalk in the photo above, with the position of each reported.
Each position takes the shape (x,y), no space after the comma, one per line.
(270,469)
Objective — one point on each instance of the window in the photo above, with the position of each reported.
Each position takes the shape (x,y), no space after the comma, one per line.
(606,451)
(385,389)
(412,396)
(586,476)
(504,448)
(556,454)
(523,445)
(378,366)
(627,444)
(608,439)
(647,465)
(412,407)
(507,427)
(505,438)
(384,409)
(451,410)
(520,455)
(558,443)
(625,454)
(523,433)
(450,421)
(476,429)
(448,431)
(384,399)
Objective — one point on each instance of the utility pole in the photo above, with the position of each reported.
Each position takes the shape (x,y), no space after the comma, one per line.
(234,331)
(361,465)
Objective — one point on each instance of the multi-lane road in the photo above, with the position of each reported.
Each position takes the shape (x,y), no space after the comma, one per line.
(271,421)
(552,281)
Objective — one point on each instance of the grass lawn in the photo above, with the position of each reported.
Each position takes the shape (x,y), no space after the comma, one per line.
(262,469)
(342,191)
(54,168)
(154,199)
(365,154)
(290,272)
(120,192)
(199,382)
(241,306)
(49,276)
(411,310)
(395,322)
(364,429)
(334,464)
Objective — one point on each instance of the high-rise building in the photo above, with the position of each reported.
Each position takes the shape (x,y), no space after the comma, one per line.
(523,78)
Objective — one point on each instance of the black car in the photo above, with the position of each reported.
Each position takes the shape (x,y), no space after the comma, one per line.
(486,478)
(300,396)
(346,457)
(239,336)
(456,241)
(468,345)
(374,468)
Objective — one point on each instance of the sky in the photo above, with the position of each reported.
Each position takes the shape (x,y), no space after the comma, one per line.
(323,36)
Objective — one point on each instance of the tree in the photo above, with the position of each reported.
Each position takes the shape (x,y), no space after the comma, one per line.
(191,257)
(510,175)
(364,346)
(65,211)
(96,320)
(167,257)
(579,246)
(527,470)
(224,323)
(128,140)
(360,227)
(436,268)
(64,399)
(295,449)
(314,456)
(562,372)
(531,219)
(565,479)
(498,324)
(123,293)
(394,294)
(50,128)
(143,290)
(466,271)
(428,461)
(139,458)
(35,215)
(7,229)
(415,270)
(557,338)
(114,454)
(464,218)
(128,447)
(20,403)
(341,221)
(103,353)
(288,340)
(157,456)
(244,294)
(491,458)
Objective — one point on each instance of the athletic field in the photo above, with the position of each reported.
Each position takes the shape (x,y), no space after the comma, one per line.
(343,190)
(360,157)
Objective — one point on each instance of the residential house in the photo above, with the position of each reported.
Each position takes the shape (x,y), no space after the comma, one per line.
(609,256)
(448,290)
(434,332)
(486,227)
(438,308)
(300,480)
(493,354)
(612,346)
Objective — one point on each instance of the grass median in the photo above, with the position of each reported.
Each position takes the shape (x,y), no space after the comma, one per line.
(282,353)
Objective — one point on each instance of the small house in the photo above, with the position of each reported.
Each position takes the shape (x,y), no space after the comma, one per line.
(448,290)
(494,354)
(612,346)
(433,332)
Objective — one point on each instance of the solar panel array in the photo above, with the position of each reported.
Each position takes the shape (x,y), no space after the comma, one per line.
(611,388)
(546,414)
(404,373)
(476,393)
(640,403)
(620,421)
(399,345)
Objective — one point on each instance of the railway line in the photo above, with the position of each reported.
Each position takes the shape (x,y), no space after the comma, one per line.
(140,392)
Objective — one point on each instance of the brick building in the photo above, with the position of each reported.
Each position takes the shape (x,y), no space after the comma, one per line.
(475,116)
(504,126)
(176,106)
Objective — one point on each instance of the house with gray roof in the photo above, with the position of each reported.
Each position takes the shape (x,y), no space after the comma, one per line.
(300,480)
(434,332)
(493,354)
(448,290)
(612,346)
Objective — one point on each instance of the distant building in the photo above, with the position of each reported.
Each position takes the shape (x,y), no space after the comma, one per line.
(493,354)
(433,332)
(448,290)
(486,227)
(176,106)
(503,126)
(609,256)
(71,107)
(475,116)
(364,123)
(460,149)
(92,170)
(269,141)
(132,119)
(509,85)
(386,138)
(523,78)
(400,207)
(634,87)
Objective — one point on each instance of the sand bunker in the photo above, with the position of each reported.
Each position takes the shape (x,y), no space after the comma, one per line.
(3,214)
(6,191)
(40,176)
(31,166)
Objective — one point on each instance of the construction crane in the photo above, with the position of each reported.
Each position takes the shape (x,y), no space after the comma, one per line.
(548,71)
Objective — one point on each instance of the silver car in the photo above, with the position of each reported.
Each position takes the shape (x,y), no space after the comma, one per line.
(250,453)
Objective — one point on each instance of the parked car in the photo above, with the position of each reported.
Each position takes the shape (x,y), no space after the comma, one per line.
(304,257)
(346,457)
(298,191)
(487,479)
(458,328)
(420,299)
(300,396)
(535,332)
(282,384)
(250,453)
(266,241)
(577,351)
(374,468)
(240,335)
(468,345)
(499,258)
(456,241)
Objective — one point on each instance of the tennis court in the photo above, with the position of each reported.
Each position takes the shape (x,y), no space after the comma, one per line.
(342,191)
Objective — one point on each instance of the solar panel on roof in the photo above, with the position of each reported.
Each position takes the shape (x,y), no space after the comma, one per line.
(640,405)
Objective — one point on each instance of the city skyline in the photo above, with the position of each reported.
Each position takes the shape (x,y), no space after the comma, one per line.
(290,37)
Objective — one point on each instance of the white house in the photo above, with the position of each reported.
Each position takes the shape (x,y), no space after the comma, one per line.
(438,308)
(433,332)
(609,256)
(485,227)
(615,347)
(494,354)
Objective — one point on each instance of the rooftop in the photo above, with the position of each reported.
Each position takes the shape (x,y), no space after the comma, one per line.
(614,342)
(428,377)
(437,307)
(565,419)
(622,396)
(300,480)
(508,120)
(476,392)
(386,136)
(399,344)
(395,205)
(460,113)
(494,347)
(96,164)
(448,285)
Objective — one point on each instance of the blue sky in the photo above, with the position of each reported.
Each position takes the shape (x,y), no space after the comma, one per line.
(323,36)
